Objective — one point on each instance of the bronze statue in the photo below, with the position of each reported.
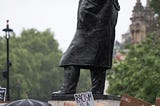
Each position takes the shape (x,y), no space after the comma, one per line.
(92,45)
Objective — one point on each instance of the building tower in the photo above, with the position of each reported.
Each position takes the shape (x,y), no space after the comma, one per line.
(138,26)
(143,22)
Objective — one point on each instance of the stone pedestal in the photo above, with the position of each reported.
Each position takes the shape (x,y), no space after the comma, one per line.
(100,100)
(3,103)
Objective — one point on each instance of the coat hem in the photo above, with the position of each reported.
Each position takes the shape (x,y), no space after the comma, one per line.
(86,66)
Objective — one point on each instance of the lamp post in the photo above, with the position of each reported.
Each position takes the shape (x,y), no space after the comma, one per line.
(7,31)
(18,89)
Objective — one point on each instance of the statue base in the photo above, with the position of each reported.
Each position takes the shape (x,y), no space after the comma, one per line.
(100,100)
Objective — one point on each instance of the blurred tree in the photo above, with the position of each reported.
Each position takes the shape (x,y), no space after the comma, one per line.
(139,74)
(35,57)
(156,6)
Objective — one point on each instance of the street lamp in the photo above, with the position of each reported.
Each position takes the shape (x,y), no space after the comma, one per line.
(7,31)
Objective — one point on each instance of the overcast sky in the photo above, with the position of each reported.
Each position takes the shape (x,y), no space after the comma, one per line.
(58,15)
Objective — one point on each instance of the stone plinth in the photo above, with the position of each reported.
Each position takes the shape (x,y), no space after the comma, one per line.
(3,103)
(103,100)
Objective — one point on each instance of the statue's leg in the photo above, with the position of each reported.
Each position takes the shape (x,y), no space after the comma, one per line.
(98,76)
(71,77)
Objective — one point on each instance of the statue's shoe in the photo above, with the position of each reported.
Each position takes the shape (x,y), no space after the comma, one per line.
(62,92)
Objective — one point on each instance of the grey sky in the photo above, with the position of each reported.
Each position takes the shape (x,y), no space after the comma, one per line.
(58,15)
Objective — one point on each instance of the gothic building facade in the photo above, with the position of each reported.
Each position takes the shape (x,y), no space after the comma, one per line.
(143,21)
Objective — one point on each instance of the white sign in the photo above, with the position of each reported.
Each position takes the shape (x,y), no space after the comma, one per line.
(84,99)
(2,94)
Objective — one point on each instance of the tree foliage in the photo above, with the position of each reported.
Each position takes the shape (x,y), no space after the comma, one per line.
(156,6)
(34,72)
(139,74)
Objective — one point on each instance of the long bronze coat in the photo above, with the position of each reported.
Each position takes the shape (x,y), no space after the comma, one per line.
(92,45)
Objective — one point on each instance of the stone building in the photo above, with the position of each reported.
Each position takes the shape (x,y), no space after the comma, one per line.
(143,21)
